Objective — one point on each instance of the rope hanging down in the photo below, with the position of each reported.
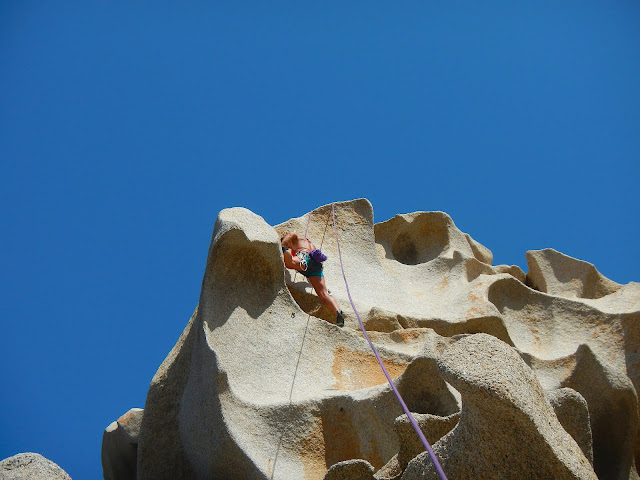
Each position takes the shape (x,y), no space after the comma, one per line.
(304,336)
(384,370)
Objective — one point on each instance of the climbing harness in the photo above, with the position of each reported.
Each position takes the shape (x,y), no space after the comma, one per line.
(384,370)
(315,254)
(303,256)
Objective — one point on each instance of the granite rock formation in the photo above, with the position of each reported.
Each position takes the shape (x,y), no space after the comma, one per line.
(506,423)
(31,466)
(120,446)
(510,375)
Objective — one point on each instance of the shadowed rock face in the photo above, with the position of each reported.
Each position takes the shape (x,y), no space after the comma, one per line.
(573,413)
(415,238)
(120,446)
(609,395)
(503,378)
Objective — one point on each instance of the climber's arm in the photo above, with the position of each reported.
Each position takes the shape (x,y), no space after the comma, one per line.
(290,261)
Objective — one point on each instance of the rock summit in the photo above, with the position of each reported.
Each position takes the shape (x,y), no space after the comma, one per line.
(509,375)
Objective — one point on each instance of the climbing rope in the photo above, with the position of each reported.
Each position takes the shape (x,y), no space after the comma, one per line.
(384,370)
(306,231)
(304,336)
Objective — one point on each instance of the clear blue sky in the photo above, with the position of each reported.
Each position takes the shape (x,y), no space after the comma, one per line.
(125,129)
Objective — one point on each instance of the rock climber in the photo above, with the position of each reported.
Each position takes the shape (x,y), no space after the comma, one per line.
(299,255)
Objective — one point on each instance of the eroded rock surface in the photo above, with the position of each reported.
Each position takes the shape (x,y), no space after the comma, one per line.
(558,274)
(262,385)
(573,413)
(350,470)
(506,424)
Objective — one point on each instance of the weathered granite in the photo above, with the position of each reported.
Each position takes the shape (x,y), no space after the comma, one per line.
(506,422)
(558,274)
(350,470)
(120,446)
(262,386)
(573,413)
(31,466)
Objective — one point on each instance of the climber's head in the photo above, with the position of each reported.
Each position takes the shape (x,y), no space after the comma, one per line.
(289,239)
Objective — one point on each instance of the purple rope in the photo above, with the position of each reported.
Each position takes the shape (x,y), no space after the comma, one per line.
(384,370)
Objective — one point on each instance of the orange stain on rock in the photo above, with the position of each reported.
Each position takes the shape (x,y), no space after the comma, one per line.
(474,312)
(312,450)
(354,370)
(342,438)
(125,418)
(405,336)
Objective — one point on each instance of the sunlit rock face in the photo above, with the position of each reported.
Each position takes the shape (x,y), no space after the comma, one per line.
(31,466)
(535,374)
